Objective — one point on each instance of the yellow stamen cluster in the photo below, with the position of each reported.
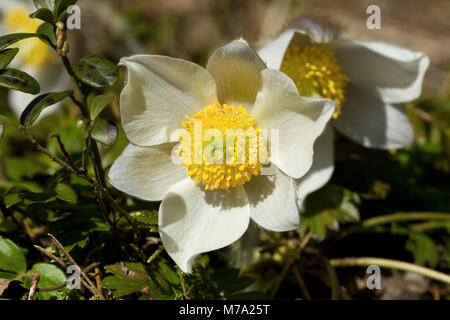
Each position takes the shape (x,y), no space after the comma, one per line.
(33,51)
(315,71)
(234,162)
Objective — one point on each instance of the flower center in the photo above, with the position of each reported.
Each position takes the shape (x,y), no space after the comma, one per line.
(33,52)
(316,73)
(221,147)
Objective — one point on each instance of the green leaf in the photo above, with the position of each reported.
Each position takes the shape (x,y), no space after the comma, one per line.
(96,72)
(129,277)
(63,5)
(65,193)
(148,218)
(37,196)
(6,57)
(5,119)
(50,276)
(98,104)
(12,199)
(168,273)
(48,4)
(423,248)
(327,207)
(48,34)
(18,80)
(11,258)
(122,286)
(6,41)
(44,14)
(229,281)
(104,132)
(34,109)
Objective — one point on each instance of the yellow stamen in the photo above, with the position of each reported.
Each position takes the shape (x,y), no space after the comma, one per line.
(209,158)
(33,51)
(315,71)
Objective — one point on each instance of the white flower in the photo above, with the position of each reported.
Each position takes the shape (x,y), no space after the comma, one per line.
(368,80)
(162,94)
(35,57)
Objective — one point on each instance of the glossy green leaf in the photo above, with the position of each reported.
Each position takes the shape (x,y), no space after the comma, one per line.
(34,109)
(104,132)
(18,80)
(6,57)
(7,40)
(50,276)
(96,72)
(11,257)
(48,4)
(97,105)
(65,193)
(43,14)
(48,34)
(62,5)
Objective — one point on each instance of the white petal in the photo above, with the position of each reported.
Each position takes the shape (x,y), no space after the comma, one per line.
(146,172)
(299,121)
(236,69)
(373,123)
(193,221)
(391,72)
(273,52)
(322,168)
(159,92)
(273,202)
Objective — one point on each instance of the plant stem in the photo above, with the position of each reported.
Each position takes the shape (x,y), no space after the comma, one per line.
(404,216)
(289,263)
(392,264)
(399,216)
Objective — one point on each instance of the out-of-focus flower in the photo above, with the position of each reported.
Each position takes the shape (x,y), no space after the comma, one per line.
(367,79)
(206,204)
(35,57)
(101,33)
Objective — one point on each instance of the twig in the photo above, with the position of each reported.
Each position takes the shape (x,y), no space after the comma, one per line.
(392,264)
(300,282)
(57,287)
(91,285)
(63,284)
(34,283)
(98,280)
(63,149)
(289,263)
(83,174)
(51,256)
(384,219)
(155,254)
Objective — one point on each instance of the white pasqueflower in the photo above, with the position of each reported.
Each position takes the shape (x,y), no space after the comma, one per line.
(367,79)
(35,57)
(208,206)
